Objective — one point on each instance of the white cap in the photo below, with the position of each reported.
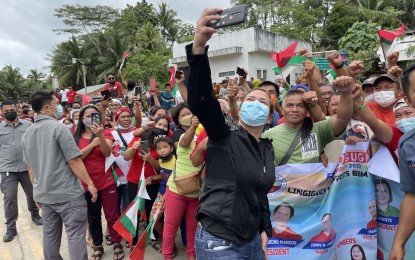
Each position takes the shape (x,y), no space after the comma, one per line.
(401,103)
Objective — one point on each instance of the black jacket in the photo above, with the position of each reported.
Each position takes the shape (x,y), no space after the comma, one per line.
(239,170)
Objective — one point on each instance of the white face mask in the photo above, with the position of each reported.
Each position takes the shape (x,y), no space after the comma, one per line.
(370,98)
(384,98)
(238,103)
(281,89)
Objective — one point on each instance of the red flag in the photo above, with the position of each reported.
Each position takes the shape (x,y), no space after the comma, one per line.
(389,36)
(172,71)
(387,39)
(284,56)
(125,55)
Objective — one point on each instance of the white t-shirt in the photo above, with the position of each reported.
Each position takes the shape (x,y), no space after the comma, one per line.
(64,96)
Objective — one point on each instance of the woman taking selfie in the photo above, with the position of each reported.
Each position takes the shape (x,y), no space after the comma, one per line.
(233,209)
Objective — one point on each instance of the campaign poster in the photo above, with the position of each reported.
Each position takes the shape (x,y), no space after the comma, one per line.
(322,212)
(388,202)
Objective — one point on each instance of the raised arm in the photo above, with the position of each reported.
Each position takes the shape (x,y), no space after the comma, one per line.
(201,100)
(381,130)
(344,86)
(182,87)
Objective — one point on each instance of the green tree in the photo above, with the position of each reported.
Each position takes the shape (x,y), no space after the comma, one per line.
(361,41)
(133,17)
(111,58)
(12,83)
(337,25)
(61,62)
(186,33)
(150,58)
(86,20)
(167,22)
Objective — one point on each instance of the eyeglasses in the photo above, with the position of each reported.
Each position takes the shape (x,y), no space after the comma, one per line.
(111,78)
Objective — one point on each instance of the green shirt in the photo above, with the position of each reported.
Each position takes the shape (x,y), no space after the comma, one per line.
(391,211)
(307,150)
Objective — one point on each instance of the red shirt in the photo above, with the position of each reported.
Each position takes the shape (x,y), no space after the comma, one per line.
(287,234)
(386,116)
(113,89)
(372,224)
(137,165)
(323,238)
(71,96)
(95,166)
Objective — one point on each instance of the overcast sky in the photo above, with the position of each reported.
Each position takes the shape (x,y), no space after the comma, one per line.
(26,35)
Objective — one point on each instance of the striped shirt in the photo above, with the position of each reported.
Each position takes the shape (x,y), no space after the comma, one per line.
(184,166)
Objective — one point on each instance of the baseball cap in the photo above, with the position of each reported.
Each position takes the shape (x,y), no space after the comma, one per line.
(401,103)
(368,82)
(300,86)
(387,77)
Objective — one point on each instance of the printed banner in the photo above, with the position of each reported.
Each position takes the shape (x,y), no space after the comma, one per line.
(324,213)
(388,202)
(338,212)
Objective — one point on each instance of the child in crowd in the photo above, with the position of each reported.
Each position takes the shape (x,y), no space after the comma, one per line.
(167,158)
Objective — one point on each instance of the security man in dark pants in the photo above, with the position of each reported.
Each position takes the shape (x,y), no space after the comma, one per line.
(13,170)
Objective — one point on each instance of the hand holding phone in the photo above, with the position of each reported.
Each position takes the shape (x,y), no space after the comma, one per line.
(137,90)
(96,118)
(144,146)
(231,16)
(178,74)
(105,94)
(241,72)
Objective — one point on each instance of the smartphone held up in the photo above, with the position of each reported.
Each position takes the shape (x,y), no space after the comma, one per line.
(231,16)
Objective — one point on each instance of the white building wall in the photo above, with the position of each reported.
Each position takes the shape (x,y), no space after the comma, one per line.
(248,48)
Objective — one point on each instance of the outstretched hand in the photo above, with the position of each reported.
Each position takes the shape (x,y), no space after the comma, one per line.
(203,33)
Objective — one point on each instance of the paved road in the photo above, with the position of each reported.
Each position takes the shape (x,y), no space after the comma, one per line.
(28,242)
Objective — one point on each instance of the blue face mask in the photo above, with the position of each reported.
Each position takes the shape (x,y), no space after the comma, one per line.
(406,124)
(59,112)
(254,113)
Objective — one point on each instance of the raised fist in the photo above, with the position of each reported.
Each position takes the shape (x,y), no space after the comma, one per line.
(355,68)
(393,58)
(232,90)
(395,71)
(335,59)
(343,84)
(309,67)
(310,97)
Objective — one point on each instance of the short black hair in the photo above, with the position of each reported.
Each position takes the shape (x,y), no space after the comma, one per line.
(109,73)
(270,83)
(39,98)
(167,84)
(176,112)
(8,102)
(405,78)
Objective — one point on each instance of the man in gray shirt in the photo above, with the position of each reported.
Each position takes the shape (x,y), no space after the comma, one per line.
(406,150)
(55,168)
(13,170)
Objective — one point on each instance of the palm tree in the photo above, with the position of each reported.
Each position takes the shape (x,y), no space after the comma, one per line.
(166,18)
(380,12)
(61,59)
(149,38)
(111,58)
(36,76)
(11,83)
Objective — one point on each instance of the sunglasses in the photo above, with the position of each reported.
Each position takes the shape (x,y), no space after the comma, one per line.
(111,78)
